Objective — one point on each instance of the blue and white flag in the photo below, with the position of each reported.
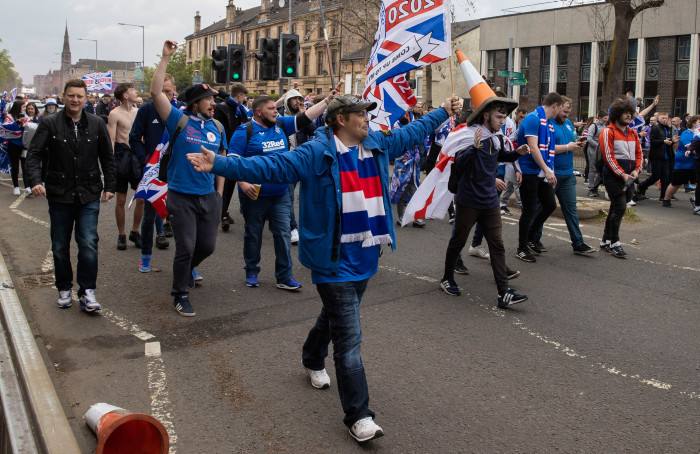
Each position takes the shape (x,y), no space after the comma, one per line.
(393,97)
(411,34)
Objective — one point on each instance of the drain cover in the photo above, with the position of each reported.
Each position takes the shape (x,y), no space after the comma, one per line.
(36,280)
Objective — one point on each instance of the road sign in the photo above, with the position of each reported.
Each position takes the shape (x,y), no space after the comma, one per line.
(511,74)
(138,73)
(518,82)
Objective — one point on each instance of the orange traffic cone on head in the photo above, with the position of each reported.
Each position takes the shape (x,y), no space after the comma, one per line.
(120,431)
(479,91)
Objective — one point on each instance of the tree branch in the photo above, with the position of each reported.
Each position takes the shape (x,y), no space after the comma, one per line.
(646,5)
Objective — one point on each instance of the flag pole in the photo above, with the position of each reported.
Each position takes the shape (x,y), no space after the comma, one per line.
(452,82)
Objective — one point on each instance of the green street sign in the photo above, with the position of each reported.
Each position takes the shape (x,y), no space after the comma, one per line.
(518,82)
(511,74)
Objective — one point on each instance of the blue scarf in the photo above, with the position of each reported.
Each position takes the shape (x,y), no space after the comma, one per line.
(545,138)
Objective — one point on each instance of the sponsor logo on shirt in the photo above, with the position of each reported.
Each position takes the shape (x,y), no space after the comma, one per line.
(270,145)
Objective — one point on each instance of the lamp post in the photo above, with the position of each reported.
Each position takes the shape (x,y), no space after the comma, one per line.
(143,42)
(95,41)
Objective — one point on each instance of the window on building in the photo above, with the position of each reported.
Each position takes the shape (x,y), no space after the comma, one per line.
(257,39)
(334,59)
(230,38)
(586,53)
(247,71)
(684,48)
(419,85)
(189,49)
(358,83)
(72,72)
(294,28)
(267,33)
(247,40)
(334,26)
(546,54)
(235,38)
(198,47)
(279,31)
(222,39)
(123,73)
(632,50)
(205,46)
(305,64)
(319,62)
(652,49)
(491,60)
(563,55)
(524,58)
(255,71)
(213,42)
(307,30)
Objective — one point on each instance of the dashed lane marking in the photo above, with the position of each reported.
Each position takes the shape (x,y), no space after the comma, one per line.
(568,351)
(126,325)
(157,384)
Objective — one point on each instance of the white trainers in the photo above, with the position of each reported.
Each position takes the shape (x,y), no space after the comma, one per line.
(319,378)
(295,236)
(365,429)
(64,299)
(479,252)
(88,302)
(16,191)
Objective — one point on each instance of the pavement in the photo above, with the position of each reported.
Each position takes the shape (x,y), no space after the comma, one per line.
(603,356)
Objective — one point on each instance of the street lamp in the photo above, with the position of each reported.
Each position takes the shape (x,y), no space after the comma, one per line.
(143,42)
(95,41)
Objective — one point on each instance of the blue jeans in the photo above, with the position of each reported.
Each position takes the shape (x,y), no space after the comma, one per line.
(292,218)
(84,217)
(566,194)
(339,321)
(276,211)
(149,220)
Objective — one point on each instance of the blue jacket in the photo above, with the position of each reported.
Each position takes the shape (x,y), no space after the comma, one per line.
(314,164)
(149,126)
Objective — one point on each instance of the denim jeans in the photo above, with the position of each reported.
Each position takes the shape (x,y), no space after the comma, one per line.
(566,194)
(84,217)
(149,220)
(534,190)
(339,321)
(276,211)
(292,218)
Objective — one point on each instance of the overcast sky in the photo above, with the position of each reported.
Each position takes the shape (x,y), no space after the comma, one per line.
(32,30)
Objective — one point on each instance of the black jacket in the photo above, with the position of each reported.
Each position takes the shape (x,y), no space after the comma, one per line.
(657,148)
(225,112)
(73,168)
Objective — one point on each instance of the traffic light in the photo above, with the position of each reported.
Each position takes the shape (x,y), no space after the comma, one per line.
(269,59)
(289,56)
(218,64)
(236,58)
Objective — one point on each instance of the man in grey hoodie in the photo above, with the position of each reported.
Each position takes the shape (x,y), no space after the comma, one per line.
(594,130)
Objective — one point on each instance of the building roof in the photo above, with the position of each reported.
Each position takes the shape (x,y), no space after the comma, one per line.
(359,54)
(248,18)
(460,28)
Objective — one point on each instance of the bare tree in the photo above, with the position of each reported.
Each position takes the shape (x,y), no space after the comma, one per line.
(613,68)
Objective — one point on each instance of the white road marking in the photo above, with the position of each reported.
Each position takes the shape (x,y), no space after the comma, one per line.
(19,200)
(126,325)
(687,268)
(31,218)
(157,384)
(47,264)
(568,351)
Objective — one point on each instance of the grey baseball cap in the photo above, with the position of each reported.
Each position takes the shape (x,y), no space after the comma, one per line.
(346,104)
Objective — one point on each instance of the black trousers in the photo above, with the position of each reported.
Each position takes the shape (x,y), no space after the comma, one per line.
(615,187)
(229,187)
(195,220)
(534,189)
(490,221)
(659,171)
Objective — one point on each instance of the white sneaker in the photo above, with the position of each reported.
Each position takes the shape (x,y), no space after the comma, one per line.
(295,236)
(16,191)
(64,299)
(365,429)
(88,302)
(319,378)
(631,203)
(479,252)
(28,191)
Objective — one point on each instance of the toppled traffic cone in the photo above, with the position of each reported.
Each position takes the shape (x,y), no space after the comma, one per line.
(121,431)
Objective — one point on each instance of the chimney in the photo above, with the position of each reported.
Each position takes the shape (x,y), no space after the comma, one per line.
(197,22)
(265,7)
(230,13)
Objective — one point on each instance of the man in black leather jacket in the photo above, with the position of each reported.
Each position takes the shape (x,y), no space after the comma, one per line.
(79,153)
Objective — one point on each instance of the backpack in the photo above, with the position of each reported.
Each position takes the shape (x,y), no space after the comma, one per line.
(165,159)
(249,131)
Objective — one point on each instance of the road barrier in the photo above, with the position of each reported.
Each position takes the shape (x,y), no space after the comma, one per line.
(32,418)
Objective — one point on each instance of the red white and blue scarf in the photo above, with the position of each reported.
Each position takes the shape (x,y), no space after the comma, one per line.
(545,138)
(363,216)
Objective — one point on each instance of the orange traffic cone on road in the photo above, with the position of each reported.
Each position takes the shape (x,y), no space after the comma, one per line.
(120,431)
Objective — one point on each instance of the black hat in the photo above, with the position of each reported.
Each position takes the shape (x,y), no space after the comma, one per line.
(346,104)
(194,93)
